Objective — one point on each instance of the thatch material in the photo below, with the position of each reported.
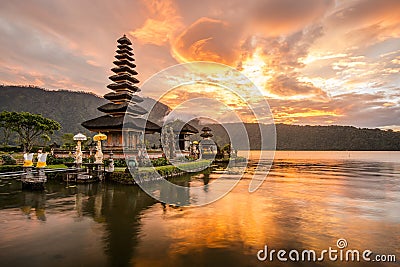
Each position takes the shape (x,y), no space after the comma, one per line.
(123,85)
(109,122)
(124,51)
(124,62)
(124,107)
(124,40)
(124,56)
(123,78)
(120,109)
(188,129)
(125,46)
(123,97)
(127,69)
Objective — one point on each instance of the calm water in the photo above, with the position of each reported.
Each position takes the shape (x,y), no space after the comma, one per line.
(308,201)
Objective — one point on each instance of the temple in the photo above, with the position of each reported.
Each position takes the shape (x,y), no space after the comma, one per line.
(123,101)
(208,148)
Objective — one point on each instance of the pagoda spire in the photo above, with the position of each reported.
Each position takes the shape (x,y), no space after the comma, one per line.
(123,82)
(123,104)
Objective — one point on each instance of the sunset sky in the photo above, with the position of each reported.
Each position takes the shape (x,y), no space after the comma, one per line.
(316,61)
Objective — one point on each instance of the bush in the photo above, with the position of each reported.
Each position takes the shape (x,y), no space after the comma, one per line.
(119,163)
(11,149)
(51,160)
(10,168)
(159,162)
(69,159)
(8,160)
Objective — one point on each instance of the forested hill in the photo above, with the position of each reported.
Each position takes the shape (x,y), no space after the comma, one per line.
(295,137)
(69,108)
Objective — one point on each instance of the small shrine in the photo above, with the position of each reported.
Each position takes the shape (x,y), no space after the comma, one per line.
(181,135)
(208,148)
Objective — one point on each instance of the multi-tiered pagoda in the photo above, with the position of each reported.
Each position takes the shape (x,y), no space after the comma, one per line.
(123,103)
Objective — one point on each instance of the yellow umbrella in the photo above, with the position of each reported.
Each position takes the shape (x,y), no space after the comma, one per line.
(100,137)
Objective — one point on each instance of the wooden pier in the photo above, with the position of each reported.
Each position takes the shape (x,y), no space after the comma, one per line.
(92,172)
(33,180)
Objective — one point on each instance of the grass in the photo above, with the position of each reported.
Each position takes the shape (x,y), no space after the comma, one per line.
(56,166)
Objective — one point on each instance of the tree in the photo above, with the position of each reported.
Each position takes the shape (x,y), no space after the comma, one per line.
(45,138)
(68,140)
(5,124)
(29,127)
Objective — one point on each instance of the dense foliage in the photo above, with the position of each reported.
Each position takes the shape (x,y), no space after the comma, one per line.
(28,127)
(296,137)
(8,160)
(70,108)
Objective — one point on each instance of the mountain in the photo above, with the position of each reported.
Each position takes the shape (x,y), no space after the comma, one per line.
(297,137)
(69,108)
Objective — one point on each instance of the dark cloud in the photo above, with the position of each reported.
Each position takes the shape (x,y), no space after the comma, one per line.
(286,86)
(277,17)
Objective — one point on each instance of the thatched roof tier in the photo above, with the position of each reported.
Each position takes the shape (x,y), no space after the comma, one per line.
(188,129)
(121,69)
(124,56)
(123,107)
(123,97)
(124,51)
(181,127)
(206,132)
(206,135)
(124,40)
(116,123)
(124,63)
(124,85)
(125,46)
(123,78)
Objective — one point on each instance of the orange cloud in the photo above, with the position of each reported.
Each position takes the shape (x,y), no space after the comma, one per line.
(279,17)
(161,25)
(208,40)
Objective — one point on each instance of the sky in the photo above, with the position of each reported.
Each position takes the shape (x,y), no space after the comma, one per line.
(317,62)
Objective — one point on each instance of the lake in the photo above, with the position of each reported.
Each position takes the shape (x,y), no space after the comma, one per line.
(308,201)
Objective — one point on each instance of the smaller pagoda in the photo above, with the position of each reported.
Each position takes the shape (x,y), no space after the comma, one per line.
(208,148)
(206,133)
(123,102)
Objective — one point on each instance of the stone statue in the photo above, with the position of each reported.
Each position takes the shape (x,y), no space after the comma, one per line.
(168,142)
(111,166)
(78,154)
(99,154)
